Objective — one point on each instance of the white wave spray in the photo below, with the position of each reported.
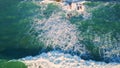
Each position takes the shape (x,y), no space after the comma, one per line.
(58,32)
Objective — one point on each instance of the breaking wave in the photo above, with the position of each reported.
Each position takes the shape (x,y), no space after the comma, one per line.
(58,34)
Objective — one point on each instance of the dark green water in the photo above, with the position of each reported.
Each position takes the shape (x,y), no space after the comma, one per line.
(15,42)
(15,20)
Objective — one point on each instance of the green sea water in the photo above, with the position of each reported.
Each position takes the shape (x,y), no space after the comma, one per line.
(15,42)
(15,20)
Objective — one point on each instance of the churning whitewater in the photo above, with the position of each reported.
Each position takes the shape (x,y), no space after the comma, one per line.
(57,32)
(56,59)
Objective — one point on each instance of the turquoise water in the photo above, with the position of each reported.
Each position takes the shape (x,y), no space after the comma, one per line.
(21,36)
(15,20)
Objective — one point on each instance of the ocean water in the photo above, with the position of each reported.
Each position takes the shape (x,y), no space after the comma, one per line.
(31,30)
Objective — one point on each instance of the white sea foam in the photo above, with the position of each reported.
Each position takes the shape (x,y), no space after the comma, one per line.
(55,59)
(58,32)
